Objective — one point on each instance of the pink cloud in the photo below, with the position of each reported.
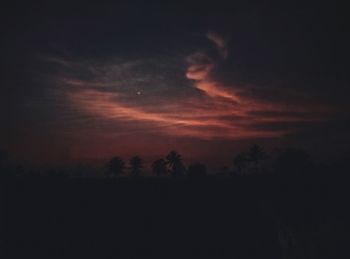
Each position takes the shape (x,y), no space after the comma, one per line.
(220,111)
(201,66)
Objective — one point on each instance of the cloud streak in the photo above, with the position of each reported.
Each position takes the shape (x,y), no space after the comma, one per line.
(201,124)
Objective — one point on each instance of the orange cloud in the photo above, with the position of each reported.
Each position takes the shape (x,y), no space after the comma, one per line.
(199,71)
(211,89)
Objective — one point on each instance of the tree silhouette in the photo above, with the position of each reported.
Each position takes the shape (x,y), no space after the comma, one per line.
(197,170)
(174,161)
(136,165)
(240,162)
(255,155)
(116,166)
(159,167)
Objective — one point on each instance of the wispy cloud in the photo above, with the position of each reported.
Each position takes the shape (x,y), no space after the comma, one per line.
(200,66)
(194,104)
(220,43)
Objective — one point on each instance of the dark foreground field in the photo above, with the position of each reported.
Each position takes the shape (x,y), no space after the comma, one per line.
(239,217)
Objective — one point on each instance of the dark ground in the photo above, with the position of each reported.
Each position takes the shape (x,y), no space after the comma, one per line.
(213,217)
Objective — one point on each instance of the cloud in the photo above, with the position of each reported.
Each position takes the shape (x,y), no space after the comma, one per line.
(212,90)
(220,43)
(200,66)
(172,119)
(143,95)
(198,71)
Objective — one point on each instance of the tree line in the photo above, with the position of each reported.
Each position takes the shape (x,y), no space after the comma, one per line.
(253,161)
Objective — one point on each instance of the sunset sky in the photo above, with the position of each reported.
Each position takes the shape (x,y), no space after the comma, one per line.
(84,82)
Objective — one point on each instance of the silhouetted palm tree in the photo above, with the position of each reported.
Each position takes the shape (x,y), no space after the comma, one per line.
(174,161)
(240,162)
(159,167)
(136,165)
(116,166)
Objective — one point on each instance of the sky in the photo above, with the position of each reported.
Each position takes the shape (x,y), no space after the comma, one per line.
(82,82)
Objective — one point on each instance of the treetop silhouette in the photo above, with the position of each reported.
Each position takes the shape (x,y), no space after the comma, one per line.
(135,165)
(174,161)
(116,166)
